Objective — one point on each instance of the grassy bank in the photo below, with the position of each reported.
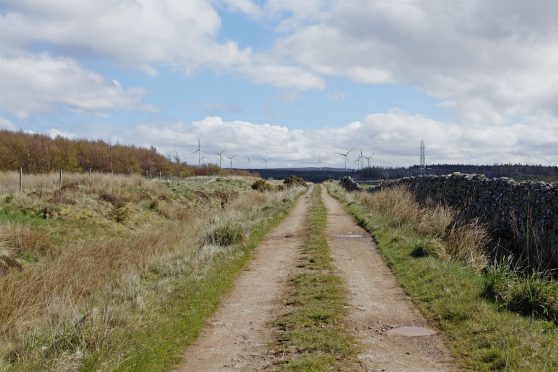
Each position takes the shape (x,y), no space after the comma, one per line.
(314,337)
(451,291)
(119,272)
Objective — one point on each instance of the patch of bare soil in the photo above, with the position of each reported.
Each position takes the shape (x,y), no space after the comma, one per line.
(393,334)
(238,334)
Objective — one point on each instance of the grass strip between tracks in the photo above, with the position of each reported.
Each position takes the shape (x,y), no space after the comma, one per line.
(313,333)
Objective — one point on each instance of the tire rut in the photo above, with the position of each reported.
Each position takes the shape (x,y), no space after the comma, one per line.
(378,307)
(238,334)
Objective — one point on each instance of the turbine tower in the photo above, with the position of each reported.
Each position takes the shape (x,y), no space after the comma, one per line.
(220,157)
(357,160)
(360,157)
(231,159)
(345,156)
(266,160)
(320,162)
(368,159)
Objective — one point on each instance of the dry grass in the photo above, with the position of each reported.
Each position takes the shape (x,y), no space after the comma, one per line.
(88,270)
(9,181)
(20,239)
(464,243)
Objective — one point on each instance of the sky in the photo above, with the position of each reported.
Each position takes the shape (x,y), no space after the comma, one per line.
(289,80)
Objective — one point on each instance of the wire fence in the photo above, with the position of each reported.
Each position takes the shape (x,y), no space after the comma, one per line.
(20,181)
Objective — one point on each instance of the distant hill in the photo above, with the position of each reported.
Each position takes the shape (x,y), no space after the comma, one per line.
(312,174)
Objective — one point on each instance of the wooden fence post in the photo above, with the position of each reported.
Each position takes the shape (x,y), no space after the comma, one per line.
(60,179)
(21,179)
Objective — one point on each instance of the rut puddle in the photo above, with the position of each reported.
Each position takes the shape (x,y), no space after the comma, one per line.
(413,331)
(348,236)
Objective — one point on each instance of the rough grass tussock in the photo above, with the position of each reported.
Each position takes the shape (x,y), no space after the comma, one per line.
(464,243)
(527,293)
(225,235)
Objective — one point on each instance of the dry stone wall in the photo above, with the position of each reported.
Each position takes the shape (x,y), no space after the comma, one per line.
(523,217)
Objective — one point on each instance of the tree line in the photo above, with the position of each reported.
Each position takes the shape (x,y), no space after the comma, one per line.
(38,153)
(520,171)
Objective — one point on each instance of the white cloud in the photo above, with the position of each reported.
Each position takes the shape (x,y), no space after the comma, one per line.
(146,34)
(34,83)
(495,60)
(393,136)
(6,124)
(243,6)
(54,132)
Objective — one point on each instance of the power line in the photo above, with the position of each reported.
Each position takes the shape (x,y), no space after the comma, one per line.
(422,159)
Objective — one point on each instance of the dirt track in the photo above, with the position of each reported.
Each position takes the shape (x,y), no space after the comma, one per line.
(377,304)
(238,334)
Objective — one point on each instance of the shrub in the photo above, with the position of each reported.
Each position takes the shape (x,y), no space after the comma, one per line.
(262,185)
(119,212)
(293,181)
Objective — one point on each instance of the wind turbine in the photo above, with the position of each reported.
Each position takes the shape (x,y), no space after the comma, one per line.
(361,156)
(368,158)
(266,160)
(220,156)
(357,160)
(320,162)
(231,159)
(345,156)
(199,151)
(247,160)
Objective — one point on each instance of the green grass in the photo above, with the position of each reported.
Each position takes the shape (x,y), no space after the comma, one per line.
(481,334)
(314,337)
(527,293)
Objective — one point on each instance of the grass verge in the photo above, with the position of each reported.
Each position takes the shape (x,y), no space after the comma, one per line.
(83,291)
(314,337)
(480,334)
(163,334)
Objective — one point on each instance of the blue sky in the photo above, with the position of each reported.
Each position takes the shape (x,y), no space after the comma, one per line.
(289,80)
